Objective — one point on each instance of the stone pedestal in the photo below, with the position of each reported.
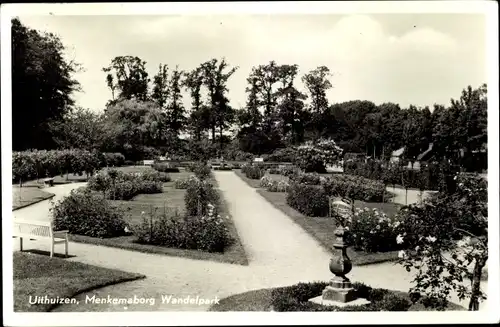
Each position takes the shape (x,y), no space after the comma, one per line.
(340,291)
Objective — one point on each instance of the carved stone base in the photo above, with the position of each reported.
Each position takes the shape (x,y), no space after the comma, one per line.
(321,301)
(340,294)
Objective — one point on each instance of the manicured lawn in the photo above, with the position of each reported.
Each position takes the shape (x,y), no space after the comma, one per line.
(25,196)
(171,199)
(323,228)
(261,300)
(39,275)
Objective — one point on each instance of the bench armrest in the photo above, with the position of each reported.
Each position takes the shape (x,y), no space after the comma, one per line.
(61,231)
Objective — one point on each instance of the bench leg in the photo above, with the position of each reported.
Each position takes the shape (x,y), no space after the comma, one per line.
(66,246)
(20,244)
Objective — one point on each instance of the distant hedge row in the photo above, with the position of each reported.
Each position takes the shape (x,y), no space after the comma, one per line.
(34,164)
(433,176)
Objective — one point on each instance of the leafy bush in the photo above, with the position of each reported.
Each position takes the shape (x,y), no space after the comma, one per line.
(307,178)
(354,187)
(296,298)
(183,183)
(202,170)
(314,156)
(253,171)
(273,185)
(118,185)
(113,159)
(310,200)
(199,194)
(84,212)
(206,233)
(155,176)
(373,231)
(166,167)
(283,155)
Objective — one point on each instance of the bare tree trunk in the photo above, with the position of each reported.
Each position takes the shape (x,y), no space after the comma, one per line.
(476,283)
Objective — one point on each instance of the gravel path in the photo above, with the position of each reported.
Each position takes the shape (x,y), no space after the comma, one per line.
(280,253)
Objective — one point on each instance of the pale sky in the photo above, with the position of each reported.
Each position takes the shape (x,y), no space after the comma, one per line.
(418,59)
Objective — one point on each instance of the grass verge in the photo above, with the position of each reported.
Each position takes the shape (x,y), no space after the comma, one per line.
(25,196)
(38,275)
(322,228)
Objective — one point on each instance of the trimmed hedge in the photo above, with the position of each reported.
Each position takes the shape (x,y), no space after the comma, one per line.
(433,176)
(34,164)
(296,298)
(88,213)
(354,187)
(252,171)
(166,167)
(310,200)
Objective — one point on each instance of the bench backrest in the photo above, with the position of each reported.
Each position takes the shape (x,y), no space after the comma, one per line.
(34,228)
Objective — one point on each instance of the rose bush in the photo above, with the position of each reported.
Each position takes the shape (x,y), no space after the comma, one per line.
(85,212)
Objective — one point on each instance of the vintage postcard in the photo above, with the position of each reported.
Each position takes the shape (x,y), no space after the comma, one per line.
(250,163)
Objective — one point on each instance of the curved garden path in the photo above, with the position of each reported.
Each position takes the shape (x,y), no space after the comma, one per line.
(280,253)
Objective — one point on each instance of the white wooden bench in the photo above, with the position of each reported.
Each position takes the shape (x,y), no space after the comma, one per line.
(40,230)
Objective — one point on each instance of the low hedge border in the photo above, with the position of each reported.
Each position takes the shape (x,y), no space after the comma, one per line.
(295,298)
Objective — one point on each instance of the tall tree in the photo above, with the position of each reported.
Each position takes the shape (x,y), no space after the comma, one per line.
(199,116)
(161,89)
(216,75)
(128,76)
(290,104)
(175,108)
(42,86)
(80,128)
(317,83)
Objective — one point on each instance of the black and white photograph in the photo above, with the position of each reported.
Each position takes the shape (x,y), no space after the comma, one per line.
(243,162)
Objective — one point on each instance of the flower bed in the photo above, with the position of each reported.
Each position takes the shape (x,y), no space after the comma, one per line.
(273,185)
(117,185)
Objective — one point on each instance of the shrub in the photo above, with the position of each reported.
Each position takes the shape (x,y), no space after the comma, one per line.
(166,167)
(354,187)
(283,155)
(155,176)
(84,212)
(118,185)
(273,185)
(129,163)
(253,171)
(183,183)
(295,298)
(113,159)
(314,156)
(307,178)
(207,233)
(373,231)
(198,195)
(202,170)
(310,200)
